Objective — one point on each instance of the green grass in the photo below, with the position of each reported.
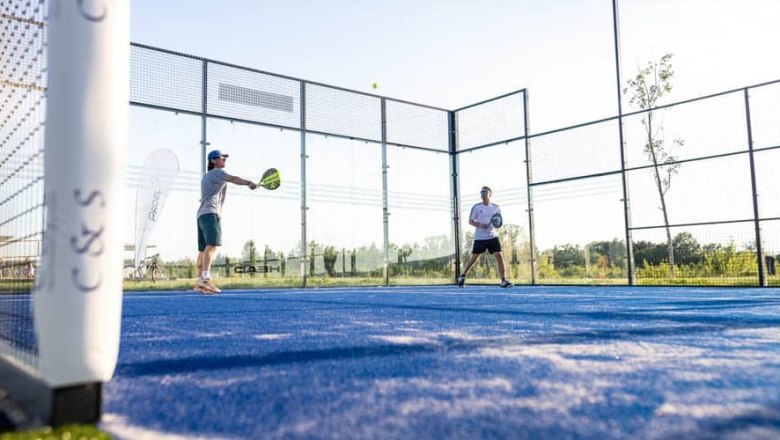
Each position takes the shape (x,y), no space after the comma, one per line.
(67,432)
(15,286)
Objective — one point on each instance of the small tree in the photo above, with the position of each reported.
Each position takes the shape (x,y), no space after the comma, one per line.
(329,257)
(313,248)
(646,88)
(250,254)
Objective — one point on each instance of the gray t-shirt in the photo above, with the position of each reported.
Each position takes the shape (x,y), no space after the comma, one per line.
(212,192)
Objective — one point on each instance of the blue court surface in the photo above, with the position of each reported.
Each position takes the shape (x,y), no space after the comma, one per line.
(448,363)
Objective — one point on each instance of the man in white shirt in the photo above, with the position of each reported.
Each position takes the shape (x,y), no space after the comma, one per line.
(485,236)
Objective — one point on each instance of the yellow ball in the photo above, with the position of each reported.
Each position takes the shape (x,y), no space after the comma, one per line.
(375,85)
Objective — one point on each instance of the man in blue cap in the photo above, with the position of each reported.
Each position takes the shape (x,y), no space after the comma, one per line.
(213,187)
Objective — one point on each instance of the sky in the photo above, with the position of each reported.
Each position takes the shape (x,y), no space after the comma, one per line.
(453,53)
(447,54)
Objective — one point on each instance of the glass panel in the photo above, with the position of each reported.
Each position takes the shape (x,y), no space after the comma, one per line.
(502,168)
(344,220)
(420,221)
(708,255)
(770,237)
(261,229)
(175,235)
(580,231)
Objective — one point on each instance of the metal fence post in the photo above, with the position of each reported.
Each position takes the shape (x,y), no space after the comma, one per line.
(304,207)
(203,120)
(623,176)
(454,191)
(529,192)
(385,212)
(762,277)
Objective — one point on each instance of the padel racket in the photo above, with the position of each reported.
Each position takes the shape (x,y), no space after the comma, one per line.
(271,179)
(497,221)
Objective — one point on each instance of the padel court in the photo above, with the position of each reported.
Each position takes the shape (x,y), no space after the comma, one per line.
(442,362)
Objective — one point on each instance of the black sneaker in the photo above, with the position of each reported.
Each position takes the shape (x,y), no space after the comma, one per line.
(506,283)
(461,280)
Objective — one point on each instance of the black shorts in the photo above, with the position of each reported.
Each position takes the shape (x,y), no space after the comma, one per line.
(209,231)
(491,245)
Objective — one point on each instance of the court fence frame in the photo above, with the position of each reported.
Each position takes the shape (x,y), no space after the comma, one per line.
(514,127)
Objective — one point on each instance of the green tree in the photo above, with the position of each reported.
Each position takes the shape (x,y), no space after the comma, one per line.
(250,254)
(646,252)
(313,248)
(268,254)
(329,256)
(567,255)
(686,249)
(646,88)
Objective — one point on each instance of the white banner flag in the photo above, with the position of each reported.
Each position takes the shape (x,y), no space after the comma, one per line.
(154,183)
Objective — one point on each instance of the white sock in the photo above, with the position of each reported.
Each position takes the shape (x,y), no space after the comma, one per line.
(204,275)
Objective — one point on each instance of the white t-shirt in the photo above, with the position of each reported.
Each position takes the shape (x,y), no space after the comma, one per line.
(482,213)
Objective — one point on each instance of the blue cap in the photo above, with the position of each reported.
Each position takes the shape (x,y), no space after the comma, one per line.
(215,154)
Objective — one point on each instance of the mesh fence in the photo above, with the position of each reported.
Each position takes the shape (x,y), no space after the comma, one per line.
(22,119)
(497,120)
(765,112)
(577,152)
(349,114)
(418,126)
(163,79)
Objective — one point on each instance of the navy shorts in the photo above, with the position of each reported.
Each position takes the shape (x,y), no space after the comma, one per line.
(491,245)
(209,231)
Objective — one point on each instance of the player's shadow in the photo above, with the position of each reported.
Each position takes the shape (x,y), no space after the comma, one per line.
(763,423)
(210,363)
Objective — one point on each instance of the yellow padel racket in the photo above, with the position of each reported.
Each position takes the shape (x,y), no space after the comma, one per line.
(271,179)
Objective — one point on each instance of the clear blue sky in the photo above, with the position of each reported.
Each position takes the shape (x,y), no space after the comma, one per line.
(451,53)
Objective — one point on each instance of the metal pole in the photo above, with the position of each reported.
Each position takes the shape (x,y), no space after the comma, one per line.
(762,276)
(203,111)
(624,178)
(529,193)
(454,191)
(304,207)
(385,211)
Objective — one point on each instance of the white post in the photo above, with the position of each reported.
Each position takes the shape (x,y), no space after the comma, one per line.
(78,295)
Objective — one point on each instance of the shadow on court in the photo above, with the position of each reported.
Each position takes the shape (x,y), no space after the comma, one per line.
(442,362)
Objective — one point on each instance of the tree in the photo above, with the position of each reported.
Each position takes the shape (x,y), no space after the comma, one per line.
(686,249)
(404,252)
(313,248)
(646,88)
(329,257)
(250,254)
(567,255)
